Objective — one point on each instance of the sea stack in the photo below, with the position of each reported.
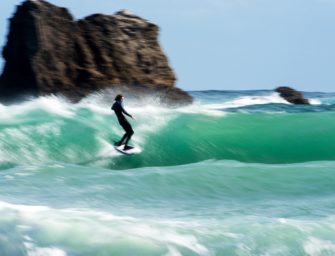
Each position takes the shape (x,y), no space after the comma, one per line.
(48,52)
(291,95)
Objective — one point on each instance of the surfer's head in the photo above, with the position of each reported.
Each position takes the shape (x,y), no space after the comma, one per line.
(119,97)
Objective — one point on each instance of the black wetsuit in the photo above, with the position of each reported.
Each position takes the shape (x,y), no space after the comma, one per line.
(119,111)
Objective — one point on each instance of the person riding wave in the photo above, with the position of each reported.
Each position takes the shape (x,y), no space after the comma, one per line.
(120,112)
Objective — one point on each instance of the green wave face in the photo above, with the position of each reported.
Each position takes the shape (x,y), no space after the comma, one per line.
(49,130)
(264,138)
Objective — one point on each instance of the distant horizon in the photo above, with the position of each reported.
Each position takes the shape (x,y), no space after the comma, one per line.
(235,45)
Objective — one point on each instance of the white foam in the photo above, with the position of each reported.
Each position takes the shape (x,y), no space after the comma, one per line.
(96,107)
(57,224)
(150,121)
(315,246)
(106,148)
(197,108)
(33,250)
(23,208)
(173,251)
(9,177)
(315,101)
(51,104)
(20,138)
(217,108)
(247,101)
(187,241)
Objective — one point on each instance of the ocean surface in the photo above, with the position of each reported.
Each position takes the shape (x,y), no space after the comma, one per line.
(236,173)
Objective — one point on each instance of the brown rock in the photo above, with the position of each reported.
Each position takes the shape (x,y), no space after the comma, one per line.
(48,52)
(291,95)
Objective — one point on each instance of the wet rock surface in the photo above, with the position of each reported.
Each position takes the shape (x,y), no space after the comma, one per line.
(291,95)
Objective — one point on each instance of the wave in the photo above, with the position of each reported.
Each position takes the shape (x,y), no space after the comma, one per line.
(49,129)
(231,181)
(248,101)
(269,103)
(206,208)
(65,232)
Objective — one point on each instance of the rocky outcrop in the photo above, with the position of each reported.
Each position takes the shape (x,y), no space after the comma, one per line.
(48,52)
(291,95)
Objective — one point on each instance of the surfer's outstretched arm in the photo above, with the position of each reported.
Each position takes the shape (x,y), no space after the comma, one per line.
(125,112)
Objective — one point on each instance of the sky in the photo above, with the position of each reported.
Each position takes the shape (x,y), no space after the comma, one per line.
(231,44)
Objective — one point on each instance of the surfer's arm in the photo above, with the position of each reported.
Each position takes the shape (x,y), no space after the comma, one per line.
(125,112)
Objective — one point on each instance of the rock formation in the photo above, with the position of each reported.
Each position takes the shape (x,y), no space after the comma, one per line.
(291,95)
(48,52)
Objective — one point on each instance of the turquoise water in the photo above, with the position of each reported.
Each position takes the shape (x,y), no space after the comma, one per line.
(236,173)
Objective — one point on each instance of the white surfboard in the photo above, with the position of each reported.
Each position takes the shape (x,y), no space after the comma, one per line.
(131,151)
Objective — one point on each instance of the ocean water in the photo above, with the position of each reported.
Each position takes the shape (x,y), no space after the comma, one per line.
(236,173)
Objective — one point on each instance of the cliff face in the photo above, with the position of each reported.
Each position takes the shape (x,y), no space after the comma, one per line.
(48,52)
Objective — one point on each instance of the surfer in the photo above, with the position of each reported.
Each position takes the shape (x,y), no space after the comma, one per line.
(119,112)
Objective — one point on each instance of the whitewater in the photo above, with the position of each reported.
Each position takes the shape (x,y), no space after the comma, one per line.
(235,173)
